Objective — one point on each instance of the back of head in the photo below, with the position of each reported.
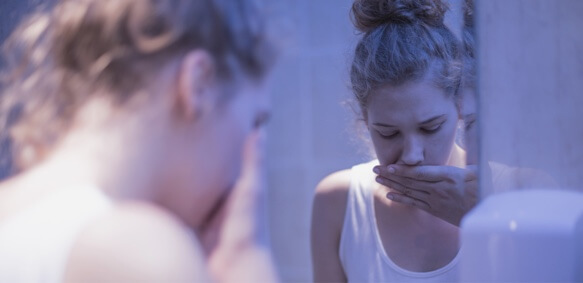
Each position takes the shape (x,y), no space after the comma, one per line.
(73,50)
(402,40)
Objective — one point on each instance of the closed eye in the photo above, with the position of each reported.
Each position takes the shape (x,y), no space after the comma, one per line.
(469,121)
(469,124)
(388,135)
(432,130)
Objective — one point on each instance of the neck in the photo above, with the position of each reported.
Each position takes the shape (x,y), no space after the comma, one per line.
(117,154)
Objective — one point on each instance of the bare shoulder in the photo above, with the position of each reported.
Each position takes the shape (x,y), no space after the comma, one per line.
(331,197)
(20,191)
(327,221)
(335,183)
(136,243)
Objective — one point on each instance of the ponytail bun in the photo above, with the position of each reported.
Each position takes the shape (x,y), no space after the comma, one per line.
(370,14)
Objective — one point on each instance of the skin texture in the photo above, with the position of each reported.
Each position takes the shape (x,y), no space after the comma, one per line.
(447,192)
(411,125)
(183,169)
(212,145)
(327,221)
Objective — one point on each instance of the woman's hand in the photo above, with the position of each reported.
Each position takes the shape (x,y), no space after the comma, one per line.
(446,192)
(236,239)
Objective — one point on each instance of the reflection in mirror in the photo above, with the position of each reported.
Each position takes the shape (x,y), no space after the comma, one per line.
(396,218)
(497,176)
(529,224)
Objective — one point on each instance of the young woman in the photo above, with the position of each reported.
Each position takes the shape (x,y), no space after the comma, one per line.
(136,129)
(448,192)
(405,75)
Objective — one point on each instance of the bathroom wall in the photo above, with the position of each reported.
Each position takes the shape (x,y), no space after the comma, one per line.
(311,132)
(530,87)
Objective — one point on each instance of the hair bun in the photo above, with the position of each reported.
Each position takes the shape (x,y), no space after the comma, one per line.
(369,14)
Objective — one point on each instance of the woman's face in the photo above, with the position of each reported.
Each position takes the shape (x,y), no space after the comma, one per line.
(469,114)
(227,127)
(412,124)
(209,157)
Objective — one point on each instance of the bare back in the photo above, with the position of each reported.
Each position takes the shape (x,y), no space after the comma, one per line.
(78,234)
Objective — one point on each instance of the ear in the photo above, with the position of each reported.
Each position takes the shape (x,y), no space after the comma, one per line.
(195,82)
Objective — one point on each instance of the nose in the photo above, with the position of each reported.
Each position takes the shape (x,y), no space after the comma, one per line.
(413,152)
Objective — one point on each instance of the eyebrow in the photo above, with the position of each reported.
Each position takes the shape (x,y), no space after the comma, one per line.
(422,123)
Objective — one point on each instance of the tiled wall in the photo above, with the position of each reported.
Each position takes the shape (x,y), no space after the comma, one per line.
(311,133)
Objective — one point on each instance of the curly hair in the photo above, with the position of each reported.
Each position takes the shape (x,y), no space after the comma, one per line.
(402,41)
(72,50)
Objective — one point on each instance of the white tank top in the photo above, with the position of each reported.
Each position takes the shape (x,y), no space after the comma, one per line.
(35,243)
(361,251)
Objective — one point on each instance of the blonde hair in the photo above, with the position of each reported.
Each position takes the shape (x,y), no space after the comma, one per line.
(402,40)
(64,54)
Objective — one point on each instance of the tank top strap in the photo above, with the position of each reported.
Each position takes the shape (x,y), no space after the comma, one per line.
(357,230)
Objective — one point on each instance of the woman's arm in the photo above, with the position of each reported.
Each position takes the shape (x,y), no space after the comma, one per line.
(234,240)
(327,219)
